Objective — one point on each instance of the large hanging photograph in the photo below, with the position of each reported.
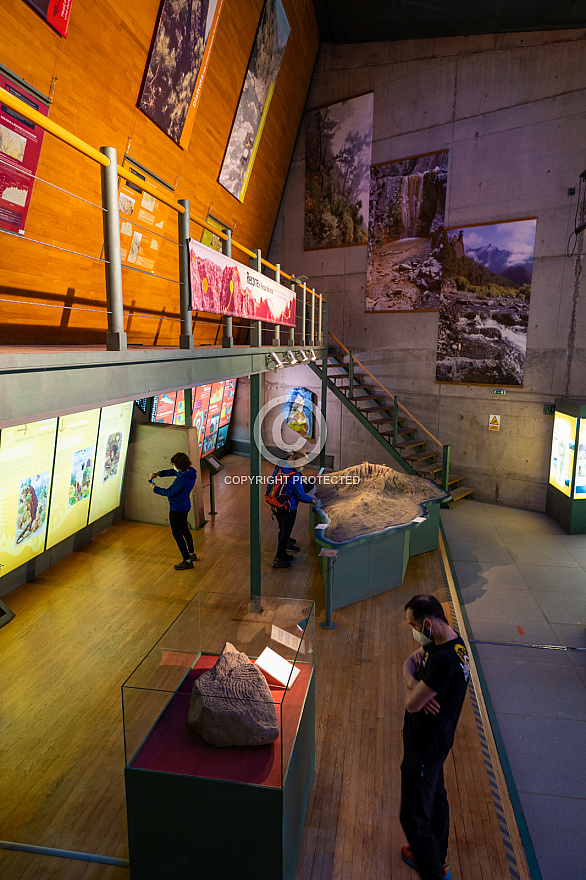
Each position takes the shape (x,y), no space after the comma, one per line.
(484,308)
(338,140)
(177,64)
(406,221)
(255,99)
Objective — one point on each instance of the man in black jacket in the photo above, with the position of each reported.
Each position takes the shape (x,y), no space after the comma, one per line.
(436,676)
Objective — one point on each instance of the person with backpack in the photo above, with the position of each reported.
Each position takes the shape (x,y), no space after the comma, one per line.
(284,492)
(178,494)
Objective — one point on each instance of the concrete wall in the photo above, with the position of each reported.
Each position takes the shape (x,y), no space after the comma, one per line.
(511,110)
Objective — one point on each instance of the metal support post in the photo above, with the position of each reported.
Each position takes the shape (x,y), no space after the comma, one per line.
(395,420)
(276,328)
(188,397)
(184,234)
(256,326)
(213,510)
(312,334)
(116,339)
(330,555)
(303,314)
(255,486)
(351,373)
(320,338)
(227,338)
(291,341)
(445,468)
(324,398)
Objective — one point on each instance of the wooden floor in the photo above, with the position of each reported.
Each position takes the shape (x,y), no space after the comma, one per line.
(82,627)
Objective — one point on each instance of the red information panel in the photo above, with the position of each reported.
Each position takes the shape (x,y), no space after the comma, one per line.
(55,12)
(201,402)
(20,148)
(165,408)
(227,401)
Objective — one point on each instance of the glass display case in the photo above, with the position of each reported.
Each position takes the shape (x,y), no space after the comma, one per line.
(186,798)
(566,490)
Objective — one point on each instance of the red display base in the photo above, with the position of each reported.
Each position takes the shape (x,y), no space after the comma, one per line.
(174,747)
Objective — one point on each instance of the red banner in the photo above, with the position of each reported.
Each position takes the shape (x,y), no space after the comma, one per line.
(20,149)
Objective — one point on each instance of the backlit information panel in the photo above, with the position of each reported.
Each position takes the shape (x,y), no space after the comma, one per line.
(72,480)
(562,452)
(110,459)
(26,464)
(580,484)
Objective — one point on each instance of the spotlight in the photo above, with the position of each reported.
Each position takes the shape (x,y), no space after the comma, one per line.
(273,361)
(313,355)
(292,358)
(301,356)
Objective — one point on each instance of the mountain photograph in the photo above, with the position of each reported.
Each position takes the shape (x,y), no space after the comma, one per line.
(484,303)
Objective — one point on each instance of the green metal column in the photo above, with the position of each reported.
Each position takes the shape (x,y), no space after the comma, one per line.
(324,385)
(227,338)
(183,235)
(255,486)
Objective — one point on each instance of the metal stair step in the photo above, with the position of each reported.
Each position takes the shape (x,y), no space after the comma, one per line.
(461,492)
(374,409)
(400,421)
(425,456)
(368,397)
(412,445)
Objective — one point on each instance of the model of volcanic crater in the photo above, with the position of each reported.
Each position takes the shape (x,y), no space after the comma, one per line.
(381,498)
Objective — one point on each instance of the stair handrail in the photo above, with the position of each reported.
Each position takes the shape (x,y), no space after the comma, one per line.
(387,392)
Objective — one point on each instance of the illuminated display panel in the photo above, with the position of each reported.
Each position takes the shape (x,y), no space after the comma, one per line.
(165,408)
(26,464)
(580,486)
(179,417)
(227,402)
(110,459)
(72,475)
(562,452)
(201,402)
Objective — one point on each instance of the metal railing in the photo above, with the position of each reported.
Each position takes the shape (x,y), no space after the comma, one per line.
(445,449)
(310,317)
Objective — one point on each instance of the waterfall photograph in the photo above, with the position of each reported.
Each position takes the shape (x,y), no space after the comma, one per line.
(484,306)
(406,221)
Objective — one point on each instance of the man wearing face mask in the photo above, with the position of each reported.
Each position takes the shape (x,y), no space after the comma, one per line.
(179,495)
(436,677)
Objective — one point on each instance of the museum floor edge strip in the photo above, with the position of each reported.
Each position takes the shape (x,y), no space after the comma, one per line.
(516,840)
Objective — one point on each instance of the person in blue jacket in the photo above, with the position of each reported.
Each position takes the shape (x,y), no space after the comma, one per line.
(179,495)
(286,518)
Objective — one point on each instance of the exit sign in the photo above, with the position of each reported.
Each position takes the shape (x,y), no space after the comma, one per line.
(499,391)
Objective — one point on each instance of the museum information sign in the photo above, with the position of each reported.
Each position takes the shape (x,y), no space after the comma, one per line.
(224,287)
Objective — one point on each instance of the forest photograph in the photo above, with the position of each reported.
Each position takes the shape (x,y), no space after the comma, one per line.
(338,141)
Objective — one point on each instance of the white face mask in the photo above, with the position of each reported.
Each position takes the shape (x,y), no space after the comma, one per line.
(421,638)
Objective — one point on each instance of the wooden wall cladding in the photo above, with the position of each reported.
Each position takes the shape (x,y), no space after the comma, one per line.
(93,78)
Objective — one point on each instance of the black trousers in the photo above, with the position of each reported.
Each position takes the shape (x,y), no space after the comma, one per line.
(425,814)
(286,521)
(181,532)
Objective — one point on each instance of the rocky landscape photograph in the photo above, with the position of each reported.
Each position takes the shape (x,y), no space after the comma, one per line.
(484,308)
(406,222)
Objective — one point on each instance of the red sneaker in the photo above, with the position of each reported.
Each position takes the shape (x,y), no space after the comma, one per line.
(407,857)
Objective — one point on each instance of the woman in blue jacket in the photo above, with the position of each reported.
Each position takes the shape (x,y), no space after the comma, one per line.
(179,495)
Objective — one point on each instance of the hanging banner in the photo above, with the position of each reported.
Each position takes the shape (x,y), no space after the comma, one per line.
(20,149)
(177,65)
(142,220)
(257,92)
(55,12)
(224,287)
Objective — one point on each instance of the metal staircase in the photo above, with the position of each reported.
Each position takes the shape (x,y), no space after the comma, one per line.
(404,438)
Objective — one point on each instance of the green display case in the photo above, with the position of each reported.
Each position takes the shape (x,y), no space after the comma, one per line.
(197,810)
(371,564)
(566,488)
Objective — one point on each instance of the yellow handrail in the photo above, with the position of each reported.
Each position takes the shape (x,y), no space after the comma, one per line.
(387,392)
(48,125)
